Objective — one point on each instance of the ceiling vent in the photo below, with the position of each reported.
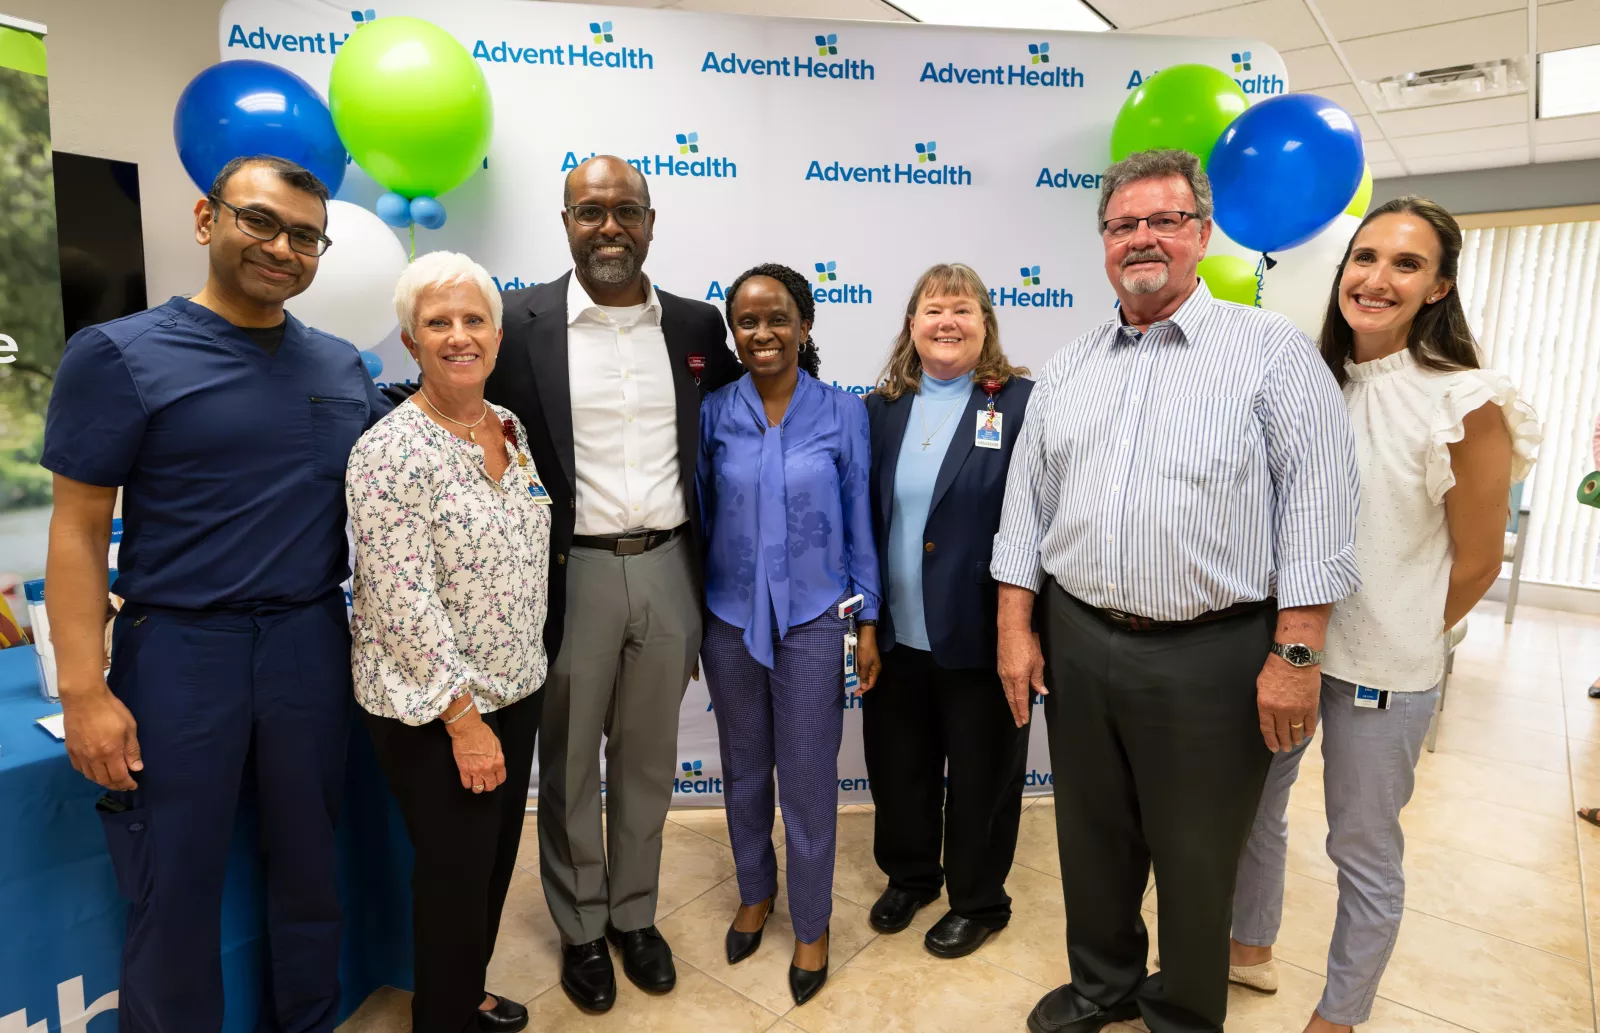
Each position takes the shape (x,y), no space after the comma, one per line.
(1501,78)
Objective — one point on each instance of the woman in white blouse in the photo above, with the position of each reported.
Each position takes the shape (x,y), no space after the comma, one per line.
(452,535)
(1440,441)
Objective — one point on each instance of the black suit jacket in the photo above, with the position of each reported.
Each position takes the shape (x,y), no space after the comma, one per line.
(531,378)
(960,600)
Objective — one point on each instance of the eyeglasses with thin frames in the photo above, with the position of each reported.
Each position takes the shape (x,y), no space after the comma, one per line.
(264,227)
(1162,224)
(628,216)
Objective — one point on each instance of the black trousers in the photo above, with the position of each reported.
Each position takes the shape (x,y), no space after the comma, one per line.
(1158,758)
(466,847)
(918,718)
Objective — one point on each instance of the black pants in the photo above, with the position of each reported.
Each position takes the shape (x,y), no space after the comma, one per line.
(1158,757)
(918,717)
(466,847)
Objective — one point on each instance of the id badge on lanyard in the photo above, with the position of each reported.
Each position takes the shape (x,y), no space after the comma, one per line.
(847,612)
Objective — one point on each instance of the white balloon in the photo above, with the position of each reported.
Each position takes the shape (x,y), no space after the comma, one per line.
(1222,244)
(1299,284)
(353,293)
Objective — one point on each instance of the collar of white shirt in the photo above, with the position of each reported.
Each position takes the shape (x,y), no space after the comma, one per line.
(1188,318)
(582,309)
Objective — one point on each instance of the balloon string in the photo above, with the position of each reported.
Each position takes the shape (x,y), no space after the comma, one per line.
(413,229)
(1261,269)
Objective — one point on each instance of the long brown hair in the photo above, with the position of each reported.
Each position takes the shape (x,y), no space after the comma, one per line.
(904,370)
(1439,338)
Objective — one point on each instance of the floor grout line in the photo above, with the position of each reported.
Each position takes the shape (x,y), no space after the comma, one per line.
(1583,888)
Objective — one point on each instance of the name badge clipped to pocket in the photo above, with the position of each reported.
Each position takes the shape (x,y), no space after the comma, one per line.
(1372,699)
(989,428)
(847,611)
(535,486)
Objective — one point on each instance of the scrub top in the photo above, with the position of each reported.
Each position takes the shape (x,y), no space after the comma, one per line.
(231,458)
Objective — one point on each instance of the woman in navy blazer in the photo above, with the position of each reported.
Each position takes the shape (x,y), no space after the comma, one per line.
(939,460)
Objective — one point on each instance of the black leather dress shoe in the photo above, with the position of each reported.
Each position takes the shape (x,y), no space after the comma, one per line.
(896,908)
(646,958)
(955,937)
(1064,1010)
(804,983)
(506,1016)
(587,975)
(741,945)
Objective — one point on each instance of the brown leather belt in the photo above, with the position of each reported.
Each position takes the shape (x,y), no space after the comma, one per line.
(634,544)
(1134,622)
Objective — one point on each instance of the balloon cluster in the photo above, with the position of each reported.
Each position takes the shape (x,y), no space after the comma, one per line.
(1288,178)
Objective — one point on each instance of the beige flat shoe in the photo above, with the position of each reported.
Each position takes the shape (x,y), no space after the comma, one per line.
(1262,978)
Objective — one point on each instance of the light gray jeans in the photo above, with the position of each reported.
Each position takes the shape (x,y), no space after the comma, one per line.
(1369,760)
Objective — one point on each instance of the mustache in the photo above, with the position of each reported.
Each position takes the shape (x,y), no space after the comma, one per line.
(595,245)
(257,253)
(1145,255)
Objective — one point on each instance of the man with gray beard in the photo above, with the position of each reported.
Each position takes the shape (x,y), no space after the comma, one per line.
(1183,496)
(607,372)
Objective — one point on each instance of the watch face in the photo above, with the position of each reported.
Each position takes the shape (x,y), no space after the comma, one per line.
(1298,655)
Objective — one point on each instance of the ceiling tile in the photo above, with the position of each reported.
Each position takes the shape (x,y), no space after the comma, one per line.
(1567,151)
(1286,24)
(1131,14)
(1369,127)
(1313,68)
(1498,158)
(1467,114)
(1348,20)
(1461,142)
(1344,95)
(1575,23)
(1387,169)
(1439,46)
(1565,130)
(1377,150)
(869,10)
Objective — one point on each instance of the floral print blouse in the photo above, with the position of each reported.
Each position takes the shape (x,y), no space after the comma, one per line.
(450,571)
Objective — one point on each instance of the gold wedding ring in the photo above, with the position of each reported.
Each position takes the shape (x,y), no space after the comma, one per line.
(1302,724)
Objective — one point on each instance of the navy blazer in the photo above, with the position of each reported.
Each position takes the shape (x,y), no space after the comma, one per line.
(960,599)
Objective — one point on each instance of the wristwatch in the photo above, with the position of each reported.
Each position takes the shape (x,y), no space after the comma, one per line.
(1298,654)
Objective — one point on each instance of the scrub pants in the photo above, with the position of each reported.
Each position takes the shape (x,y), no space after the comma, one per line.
(219,697)
(1369,762)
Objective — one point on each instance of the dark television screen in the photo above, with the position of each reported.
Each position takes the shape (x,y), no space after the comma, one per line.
(102,242)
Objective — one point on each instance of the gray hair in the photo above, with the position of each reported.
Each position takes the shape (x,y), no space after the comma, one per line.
(1156,165)
(442,269)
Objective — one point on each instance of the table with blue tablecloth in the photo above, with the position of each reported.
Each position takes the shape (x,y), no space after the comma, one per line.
(61,918)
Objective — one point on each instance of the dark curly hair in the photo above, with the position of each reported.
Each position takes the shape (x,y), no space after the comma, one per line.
(799,289)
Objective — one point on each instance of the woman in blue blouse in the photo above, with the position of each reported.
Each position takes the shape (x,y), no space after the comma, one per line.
(784,496)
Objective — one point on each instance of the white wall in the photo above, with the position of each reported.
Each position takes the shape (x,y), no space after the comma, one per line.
(116,69)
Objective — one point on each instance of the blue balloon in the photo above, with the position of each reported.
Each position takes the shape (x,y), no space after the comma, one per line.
(240,108)
(427,212)
(1284,170)
(374,363)
(394,210)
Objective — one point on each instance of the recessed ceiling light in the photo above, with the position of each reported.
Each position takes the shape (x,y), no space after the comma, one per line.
(1071,15)
(1569,82)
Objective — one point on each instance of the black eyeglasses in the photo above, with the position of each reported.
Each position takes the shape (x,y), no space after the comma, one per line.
(262,226)
(1162,224)
(628,216)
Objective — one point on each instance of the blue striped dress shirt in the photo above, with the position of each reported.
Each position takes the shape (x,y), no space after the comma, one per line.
(1206,462)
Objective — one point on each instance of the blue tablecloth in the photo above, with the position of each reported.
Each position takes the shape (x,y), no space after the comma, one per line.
(61,919)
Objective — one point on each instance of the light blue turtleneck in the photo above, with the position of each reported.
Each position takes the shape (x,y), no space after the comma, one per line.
(938,404)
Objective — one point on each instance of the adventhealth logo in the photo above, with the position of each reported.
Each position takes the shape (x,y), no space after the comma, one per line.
(798,66)
(597,54)
(1065,179)
(853,699)
(70,1010)
(693,780)
(1014,297)
(830,292)
(290,43)
(366,17)
(1258,84)
(908,173)
(1241,62)
(1035,777)
(515,283)
(1031,74)
(679,164)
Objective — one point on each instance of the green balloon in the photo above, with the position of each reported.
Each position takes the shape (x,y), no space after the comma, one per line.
(1185,107)
(1230,278)
(411,106)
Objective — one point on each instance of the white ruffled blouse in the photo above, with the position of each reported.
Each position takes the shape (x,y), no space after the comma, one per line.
(1391,633)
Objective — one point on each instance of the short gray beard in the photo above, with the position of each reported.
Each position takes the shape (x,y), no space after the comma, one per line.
(1144,283)
(611,270)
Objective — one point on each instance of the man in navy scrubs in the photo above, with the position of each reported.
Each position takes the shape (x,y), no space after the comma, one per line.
(227,424)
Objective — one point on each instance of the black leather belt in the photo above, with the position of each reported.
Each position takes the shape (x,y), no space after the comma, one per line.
(1134,622)
(629,544)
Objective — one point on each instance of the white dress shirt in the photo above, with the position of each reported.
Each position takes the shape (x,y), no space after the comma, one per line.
(624,417)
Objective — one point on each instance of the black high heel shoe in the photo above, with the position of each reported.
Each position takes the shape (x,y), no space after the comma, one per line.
(741,945)
(803,983)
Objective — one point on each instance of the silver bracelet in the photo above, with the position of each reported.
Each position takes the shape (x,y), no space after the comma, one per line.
(452,720)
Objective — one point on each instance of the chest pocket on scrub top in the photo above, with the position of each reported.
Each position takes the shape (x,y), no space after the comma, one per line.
(336,423)
(1204,438)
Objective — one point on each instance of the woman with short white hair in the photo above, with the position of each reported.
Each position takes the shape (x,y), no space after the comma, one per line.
(452,530)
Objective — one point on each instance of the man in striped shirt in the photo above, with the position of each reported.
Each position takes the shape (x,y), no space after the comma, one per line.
(1183,496)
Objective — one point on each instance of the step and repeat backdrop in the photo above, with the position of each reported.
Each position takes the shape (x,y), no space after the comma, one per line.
(856,152)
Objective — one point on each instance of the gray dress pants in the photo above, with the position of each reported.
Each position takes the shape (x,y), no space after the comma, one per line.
(1369,760)
(632,635)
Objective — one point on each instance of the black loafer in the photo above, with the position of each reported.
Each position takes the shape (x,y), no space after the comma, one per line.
(646,958)
(896,908)
(506,1016)
(1064,1010)
(741,945)
(587,975)
(955,937)
(804,983)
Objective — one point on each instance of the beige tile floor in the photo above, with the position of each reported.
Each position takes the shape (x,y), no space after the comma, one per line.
(1499,936)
